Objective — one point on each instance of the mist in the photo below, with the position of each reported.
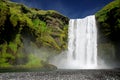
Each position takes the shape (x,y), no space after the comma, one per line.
(84,49)
(33,56)
(60,61)
(106,59)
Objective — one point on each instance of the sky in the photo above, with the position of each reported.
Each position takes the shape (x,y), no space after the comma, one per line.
(70,8)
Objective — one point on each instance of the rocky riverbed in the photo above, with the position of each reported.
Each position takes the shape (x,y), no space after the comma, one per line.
(63,75)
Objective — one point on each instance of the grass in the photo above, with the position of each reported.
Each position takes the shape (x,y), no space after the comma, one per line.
(22,22)
(33,61)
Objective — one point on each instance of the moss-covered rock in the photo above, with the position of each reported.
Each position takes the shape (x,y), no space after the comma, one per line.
(108,21)
(21,28)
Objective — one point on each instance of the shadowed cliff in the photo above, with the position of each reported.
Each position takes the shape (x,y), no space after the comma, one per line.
(108,21)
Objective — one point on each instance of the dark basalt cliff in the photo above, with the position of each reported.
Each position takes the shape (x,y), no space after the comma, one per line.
(108,22)
(27,35)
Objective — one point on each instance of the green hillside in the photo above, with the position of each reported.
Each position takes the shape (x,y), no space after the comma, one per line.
(108,22)
(29,36)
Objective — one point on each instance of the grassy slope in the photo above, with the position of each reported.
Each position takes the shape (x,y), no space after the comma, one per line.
(22,29)
(108,21)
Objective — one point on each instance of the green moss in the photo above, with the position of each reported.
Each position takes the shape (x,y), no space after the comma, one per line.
(13,46)
(40,25)
(3,48)
(48,41)
(5,58)
(14,10)
(42,28)
(33,61)
(14,20)
(4,12)
(17,39)
(4,64)
(108,20)
(36,23)
(102,14)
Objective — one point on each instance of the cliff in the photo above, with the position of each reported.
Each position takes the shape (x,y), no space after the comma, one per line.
(29,36)
(108,22)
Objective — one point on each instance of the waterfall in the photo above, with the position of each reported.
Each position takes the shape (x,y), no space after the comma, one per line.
(82,44)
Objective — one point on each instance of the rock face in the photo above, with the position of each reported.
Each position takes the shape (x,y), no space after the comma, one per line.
(108,21)
(28,36)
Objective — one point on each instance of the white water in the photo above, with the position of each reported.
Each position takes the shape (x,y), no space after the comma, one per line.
(82,45)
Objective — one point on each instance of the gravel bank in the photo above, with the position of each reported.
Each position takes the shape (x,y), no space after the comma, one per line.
(63,75)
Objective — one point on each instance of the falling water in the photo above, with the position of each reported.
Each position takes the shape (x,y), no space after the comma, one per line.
(82,45)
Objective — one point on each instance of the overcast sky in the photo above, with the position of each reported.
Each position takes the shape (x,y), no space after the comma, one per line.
(69,8)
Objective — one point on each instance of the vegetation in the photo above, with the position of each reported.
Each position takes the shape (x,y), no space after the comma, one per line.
(108,20)
(21,28)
